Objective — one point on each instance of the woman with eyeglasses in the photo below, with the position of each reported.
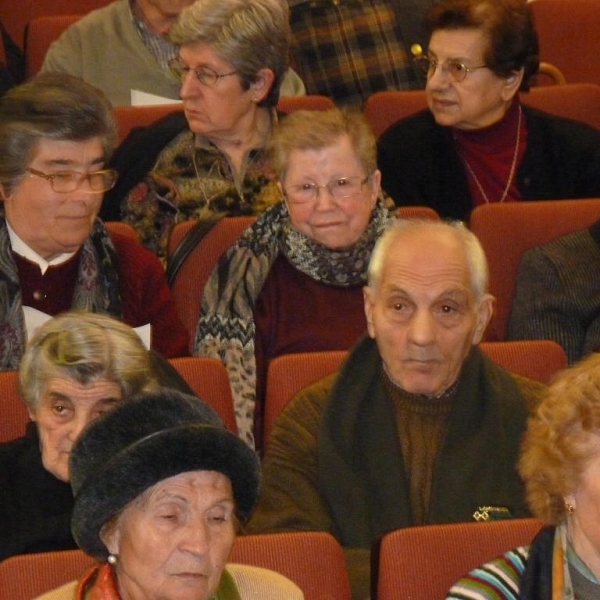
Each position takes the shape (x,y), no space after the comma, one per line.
(477,143)
(293,282)
(56,136)
(233,55)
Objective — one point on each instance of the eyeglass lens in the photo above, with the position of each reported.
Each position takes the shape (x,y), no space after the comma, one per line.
(69,181)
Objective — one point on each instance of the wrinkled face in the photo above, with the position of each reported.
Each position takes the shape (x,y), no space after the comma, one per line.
(174,540)
(423,314)
(65,407)
(221,110)
(482,97)
(583,525)
(333,222)
(49,222)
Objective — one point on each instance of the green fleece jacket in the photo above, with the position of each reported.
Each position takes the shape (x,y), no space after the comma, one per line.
(105,49)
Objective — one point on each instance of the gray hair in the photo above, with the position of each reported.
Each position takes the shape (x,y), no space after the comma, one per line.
(249,34)
(52,106)
(84,347)
(400,228)
(317,129)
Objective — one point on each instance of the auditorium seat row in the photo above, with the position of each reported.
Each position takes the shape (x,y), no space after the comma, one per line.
(558,22)
(579,101)
(506,231)
(416,563)
(287,375)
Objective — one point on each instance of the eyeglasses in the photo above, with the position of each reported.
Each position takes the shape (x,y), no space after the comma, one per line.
(206,75)
(457,70)
(344,187)
(68,181)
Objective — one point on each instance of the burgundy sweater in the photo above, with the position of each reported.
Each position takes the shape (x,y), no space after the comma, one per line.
(143,288)
(295,313)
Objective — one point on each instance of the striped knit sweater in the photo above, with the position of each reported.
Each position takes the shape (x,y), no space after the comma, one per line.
(496,580)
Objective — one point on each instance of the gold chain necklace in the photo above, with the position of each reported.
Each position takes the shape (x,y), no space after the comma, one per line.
(512,167)
(207,200)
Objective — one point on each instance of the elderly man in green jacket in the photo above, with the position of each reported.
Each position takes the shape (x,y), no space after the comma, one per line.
(419,426)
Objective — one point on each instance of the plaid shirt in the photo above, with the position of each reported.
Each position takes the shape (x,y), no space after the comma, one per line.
(348,49)
(161,47)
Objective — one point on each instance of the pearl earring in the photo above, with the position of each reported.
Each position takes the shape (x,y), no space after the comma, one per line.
(112,559)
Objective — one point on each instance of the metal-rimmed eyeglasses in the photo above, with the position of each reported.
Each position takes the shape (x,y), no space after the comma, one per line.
(206,75)
(456,70)
(340,188)
(64,182)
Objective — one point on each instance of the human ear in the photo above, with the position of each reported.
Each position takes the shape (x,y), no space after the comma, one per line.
(262,84)
(369,300)
(111,536)
(484,314)
(512,83)
(375,185)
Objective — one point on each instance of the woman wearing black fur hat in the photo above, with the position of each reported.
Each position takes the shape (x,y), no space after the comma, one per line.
(160,486)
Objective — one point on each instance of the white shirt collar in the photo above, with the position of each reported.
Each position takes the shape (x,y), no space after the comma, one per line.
(21,248)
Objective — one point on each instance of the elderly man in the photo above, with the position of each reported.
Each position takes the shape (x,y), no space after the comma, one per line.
(418,426)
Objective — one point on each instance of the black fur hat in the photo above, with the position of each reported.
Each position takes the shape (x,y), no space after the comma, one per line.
(151,437)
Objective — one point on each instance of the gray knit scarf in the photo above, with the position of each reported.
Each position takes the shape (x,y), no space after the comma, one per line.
(226,327)
(96,290)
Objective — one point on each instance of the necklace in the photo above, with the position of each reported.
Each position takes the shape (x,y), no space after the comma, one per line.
(202,183)
(237,178)
(512,166)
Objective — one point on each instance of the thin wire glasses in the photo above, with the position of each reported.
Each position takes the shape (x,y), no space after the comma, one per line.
(206,75)
(456,70)
(340,189)
(64,182)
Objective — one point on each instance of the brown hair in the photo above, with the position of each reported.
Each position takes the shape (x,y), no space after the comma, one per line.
(508,24)
(316,129)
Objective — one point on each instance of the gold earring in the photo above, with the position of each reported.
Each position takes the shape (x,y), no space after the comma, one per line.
(569,508)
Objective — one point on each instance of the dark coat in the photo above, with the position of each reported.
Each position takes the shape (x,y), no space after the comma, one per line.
(420,166)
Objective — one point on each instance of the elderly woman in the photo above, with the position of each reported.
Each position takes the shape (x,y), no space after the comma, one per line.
(233,55)
(160,488)
(477,143)
(77,366)
(560,463)
(280,289)
(56,135)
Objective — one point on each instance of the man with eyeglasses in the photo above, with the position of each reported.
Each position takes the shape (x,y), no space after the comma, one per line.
(124,50)
(476,143)
(56,135)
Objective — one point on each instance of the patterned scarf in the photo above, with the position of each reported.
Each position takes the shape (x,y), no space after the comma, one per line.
(226,327)
(100,584)
(96,290)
